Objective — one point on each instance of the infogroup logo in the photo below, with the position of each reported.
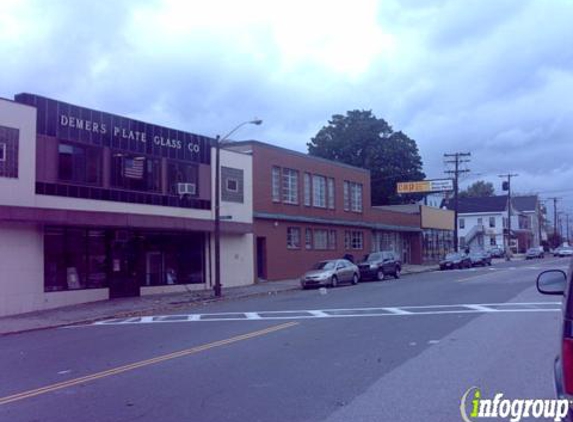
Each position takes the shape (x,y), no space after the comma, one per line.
(473,407)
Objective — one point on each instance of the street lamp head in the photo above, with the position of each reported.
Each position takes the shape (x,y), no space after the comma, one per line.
(256,122)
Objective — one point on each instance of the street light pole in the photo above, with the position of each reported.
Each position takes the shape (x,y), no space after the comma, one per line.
(217,288)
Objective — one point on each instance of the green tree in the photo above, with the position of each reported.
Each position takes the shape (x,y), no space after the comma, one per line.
(361,139)
(478,189)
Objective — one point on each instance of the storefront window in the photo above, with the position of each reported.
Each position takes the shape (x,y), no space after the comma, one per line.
(436,244)
(74,258)
(172,259)
(79,164)
(135,172)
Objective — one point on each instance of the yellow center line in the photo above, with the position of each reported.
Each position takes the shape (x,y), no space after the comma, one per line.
(141,364)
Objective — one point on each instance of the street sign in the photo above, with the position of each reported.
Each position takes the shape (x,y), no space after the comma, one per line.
(438,185)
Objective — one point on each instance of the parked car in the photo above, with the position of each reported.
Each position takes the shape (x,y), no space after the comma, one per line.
(557,282)
(563,251)
(377,265)
(533,253)
(331,273)
(480,258)
(455,260)
(497,252)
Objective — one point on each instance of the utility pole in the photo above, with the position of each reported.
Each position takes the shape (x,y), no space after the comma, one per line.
(456,159)
(507,185)
(554,199)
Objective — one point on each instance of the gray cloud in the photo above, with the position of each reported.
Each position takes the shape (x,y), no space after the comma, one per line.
(493,78)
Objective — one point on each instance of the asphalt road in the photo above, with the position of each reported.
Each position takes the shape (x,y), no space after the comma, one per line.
(398,350)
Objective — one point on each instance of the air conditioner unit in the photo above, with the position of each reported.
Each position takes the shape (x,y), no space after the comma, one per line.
(186,188)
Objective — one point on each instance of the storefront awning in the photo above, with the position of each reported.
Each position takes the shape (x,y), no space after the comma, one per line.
(349,223)
(116,220)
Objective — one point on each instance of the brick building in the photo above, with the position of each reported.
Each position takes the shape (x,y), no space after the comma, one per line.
(307,209)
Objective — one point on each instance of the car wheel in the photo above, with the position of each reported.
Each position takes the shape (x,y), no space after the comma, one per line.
(380,275)
(334,281)
(355,279)
(397,273)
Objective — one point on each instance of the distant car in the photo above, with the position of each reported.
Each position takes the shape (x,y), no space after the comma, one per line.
(480,258)
(455,260)
(533,253)
(557,282)
(330,273)
(497,252)
(563,251)
(377,265)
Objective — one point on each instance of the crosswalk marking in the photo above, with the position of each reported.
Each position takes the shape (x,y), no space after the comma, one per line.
(403,311)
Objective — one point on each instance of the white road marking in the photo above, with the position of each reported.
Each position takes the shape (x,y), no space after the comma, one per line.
(318,314)
(398,311)
(480,308)
(465,308)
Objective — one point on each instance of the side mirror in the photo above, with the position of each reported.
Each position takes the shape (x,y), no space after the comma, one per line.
(552,282)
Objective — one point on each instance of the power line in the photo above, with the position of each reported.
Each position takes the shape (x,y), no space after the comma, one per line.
(457,159)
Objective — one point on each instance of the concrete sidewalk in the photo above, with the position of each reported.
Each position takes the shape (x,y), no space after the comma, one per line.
(142,305)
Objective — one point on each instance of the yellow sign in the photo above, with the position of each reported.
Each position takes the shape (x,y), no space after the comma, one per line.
(442,185)
(411,187)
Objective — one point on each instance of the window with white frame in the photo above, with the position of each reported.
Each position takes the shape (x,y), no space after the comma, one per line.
(2,151)
(332,239)
(492,222)
(356,197)
(462,223)
(356,240)
(276,184)
(330,192)
(232,185)
(293,237)
(353,196)
(290,186)
(308,238)
(320,239)
(346,240)
(307,189)
(318,191)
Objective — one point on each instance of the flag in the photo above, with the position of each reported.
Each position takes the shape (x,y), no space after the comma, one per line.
(133,168)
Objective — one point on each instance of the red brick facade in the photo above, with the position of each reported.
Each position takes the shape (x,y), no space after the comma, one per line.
(333,231)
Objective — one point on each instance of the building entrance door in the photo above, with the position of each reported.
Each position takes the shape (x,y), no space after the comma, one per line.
(261,257)
(124,280)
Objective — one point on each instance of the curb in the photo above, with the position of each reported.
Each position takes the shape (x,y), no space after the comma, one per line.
(171,306)
(142,312)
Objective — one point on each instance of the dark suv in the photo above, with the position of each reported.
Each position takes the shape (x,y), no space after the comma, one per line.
(377,265)
(557,282)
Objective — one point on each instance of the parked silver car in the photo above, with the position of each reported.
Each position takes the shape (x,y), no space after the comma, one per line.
(331,273)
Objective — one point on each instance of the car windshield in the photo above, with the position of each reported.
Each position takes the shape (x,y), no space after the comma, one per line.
(324,265)
(373,257)
(453,256)
(532,250)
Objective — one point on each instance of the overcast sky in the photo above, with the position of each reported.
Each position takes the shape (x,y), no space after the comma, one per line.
(490,77)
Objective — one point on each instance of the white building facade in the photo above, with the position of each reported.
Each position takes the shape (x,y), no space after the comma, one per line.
(96,206)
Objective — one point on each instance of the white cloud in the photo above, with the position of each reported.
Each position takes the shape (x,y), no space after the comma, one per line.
(493,78)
